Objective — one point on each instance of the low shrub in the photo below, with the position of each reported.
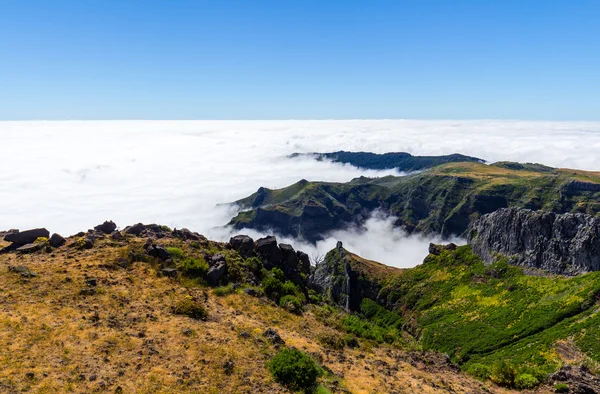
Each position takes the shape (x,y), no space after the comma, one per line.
(190,308)
(294,369)
(504,373)
(561,388)
(175,253)
(526,381)
(223,290)
(194,267)
(480,371)
(291,303)
(332,341)
(351,341)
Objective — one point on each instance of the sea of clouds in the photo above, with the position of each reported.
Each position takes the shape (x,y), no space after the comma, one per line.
(69,176)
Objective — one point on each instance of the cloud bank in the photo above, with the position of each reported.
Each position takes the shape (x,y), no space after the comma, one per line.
(69,176)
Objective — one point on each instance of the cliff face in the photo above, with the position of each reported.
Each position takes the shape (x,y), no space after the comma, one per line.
(346,279)
(559,243)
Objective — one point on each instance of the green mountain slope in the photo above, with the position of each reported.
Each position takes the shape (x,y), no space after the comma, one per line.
(444,199)
(492,320)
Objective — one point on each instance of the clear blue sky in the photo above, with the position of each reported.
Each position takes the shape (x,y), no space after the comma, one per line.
(258,59)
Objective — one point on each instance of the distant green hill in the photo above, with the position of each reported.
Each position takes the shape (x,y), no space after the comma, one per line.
(443,199)
(400,160)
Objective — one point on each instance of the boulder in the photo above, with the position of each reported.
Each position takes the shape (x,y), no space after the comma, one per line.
(273,336)
(136,229)
(56,240)
(169,272)
(243,244)
(304,262)
(216,272)
(88,242)
(158,251)
(26,237)
(117,236)
(107,227)
(21,269)
(29,248)
(186,235)
(268,251)
(214,260)
(289,260)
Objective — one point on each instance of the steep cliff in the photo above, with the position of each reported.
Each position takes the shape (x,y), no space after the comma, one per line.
(559,243)
(346,279)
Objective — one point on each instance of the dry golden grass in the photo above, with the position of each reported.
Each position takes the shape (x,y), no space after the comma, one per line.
(124,337)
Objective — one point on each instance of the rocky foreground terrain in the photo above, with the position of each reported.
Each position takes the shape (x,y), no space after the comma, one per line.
(131,312)
(152,310)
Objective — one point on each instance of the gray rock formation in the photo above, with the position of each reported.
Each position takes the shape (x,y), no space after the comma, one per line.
(107,227)
(26,237)
(559,243)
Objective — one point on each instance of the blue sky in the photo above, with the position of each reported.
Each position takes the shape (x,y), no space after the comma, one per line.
(299,59)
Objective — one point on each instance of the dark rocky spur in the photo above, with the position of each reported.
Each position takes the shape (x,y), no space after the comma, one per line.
(566,244)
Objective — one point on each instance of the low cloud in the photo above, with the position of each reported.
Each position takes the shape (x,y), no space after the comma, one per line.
(69,176)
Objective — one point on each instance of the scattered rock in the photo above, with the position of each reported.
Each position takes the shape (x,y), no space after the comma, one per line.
(106,227)
(21,269)
(117,236)
(243,244)
(216,272)
(169,272)
(26,237)
(91,282)
(186,235)
(268,251)
(158,251)
(214,260)
(273,337)
(244,334)
(251,292)
(304,262)
(136,229)
(228,367)
(56,240)
(29,248)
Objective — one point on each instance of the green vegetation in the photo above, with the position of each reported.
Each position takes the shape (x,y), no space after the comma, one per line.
(494,320)
(442,199)
(295,370)
(561,388)
(222,291)
(190,308)
(194,267)
(175,253)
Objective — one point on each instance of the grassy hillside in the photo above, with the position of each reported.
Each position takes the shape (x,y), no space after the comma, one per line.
(489,317)
(443,199)
(105,320)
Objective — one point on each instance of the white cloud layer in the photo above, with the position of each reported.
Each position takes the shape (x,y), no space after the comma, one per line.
(69,176)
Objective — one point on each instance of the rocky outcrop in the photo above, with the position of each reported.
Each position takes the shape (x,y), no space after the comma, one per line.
(344,281)
(21,238)
(243,244)
(268,251)
(107,227)
(57,240)
(558,243)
